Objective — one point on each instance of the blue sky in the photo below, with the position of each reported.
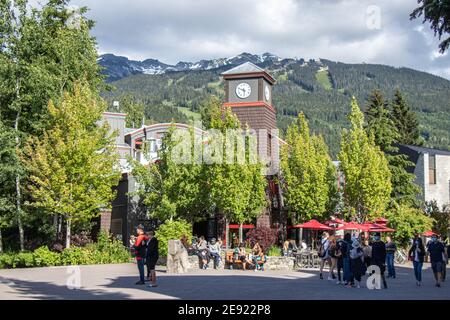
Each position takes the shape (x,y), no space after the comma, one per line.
(351,31)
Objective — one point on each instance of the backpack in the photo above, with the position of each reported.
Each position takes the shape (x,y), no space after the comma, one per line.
(321,251)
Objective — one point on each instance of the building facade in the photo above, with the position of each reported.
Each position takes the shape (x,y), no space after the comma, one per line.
(432,171)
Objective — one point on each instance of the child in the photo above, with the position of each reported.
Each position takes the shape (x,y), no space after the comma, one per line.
(356,263)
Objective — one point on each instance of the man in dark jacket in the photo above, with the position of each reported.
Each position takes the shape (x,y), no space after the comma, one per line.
(346,245)
(140,247)
(152,258)
(379,256)
(436,249)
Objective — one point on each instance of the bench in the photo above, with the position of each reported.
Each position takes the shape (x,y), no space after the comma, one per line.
(230,262)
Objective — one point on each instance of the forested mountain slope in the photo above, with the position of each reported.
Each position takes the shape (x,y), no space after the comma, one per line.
(320,88)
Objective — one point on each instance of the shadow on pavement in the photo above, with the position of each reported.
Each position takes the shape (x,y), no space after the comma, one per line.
(47,290)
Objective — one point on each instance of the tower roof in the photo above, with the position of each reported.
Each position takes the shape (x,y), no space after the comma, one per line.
(247,69)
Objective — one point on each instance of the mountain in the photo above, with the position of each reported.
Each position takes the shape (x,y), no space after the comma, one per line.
(116,67)
(320,88)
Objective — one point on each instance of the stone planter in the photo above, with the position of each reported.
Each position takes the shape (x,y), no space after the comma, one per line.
(279,263)
(273,263)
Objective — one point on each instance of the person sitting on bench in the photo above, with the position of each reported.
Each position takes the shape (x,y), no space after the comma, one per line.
(214,251)
(259,260)
(203,253)
(241,255)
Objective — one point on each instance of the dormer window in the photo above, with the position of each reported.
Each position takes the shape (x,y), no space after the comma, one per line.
(432,169)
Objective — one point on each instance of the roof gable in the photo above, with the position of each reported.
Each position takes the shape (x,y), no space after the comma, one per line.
(246,67)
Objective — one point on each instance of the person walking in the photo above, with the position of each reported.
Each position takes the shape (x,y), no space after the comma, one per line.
(391,248)
(140,248)
(436,250)
(324,254)
(340,260)
(334,253)
(152,258)
(417,254)
(379,256)
(367,250)
(356,263)
(345,249)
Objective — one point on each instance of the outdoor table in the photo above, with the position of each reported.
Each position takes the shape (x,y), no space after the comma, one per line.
(306,259)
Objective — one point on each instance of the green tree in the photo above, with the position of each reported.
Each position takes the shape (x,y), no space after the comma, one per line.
(367,186)
(407,222)
(441,217)
(437,13)
(172,229)
(210,108)
(381,126)
(74,165)
(172,189)
(308,172)
(379,123)
(405,120)
(43,50)
(236,184)
(134,110)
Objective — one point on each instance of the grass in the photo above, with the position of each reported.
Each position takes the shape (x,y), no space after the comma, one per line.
(323,79)
(190,114)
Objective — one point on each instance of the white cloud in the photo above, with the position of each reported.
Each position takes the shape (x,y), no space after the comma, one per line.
(190,30)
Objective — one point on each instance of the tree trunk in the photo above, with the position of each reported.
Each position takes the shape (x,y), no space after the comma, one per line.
(58,232)
(1,242)
(68,233)
(241,233)
(55,226)
(18,193)
(227,231)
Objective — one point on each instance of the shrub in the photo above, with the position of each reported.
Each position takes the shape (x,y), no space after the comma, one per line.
(43,257)
(266,237)
(24,260)
(274,252)
(6,260)
(172,229)
(407,222)
(76,256)
(106,250)
(81,239)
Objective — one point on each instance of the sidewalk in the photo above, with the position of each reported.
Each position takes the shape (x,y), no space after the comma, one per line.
(117,282)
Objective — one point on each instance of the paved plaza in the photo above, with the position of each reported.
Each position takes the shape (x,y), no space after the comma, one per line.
(117,282)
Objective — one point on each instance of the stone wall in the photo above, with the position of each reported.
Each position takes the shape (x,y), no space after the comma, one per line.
(273,263)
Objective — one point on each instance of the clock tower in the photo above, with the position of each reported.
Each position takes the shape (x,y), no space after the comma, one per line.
(248,92)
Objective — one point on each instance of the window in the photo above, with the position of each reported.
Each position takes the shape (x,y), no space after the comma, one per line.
(432,169)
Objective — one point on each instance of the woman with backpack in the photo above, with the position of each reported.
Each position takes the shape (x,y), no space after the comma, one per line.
(356,263)
(323,254)
(335,253)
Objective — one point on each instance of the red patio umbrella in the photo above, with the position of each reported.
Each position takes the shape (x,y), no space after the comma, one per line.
(314,225)
(353,226)
(429,233)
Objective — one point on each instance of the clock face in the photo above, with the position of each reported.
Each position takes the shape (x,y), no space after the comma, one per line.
(243,90)
(267,93)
